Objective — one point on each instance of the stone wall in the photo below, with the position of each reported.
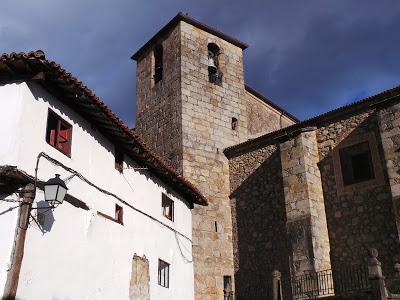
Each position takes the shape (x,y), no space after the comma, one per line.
(259,217)
(158,105)
(362,217)
(139,288)
(389,127)
(262,118)
(207,111)
(313,214)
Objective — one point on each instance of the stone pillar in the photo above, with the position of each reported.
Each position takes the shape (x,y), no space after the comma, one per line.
(375,276)
(305,208)
(389,127)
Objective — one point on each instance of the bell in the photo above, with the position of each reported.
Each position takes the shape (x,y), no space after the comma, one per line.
(211,65)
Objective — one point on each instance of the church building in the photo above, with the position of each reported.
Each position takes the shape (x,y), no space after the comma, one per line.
(298,197)
(215,192)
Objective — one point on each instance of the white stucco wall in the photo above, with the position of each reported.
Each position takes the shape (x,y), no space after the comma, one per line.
(83,255)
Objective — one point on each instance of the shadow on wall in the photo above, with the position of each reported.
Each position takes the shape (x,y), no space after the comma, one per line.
(44,216)
(357,195)
(259,219)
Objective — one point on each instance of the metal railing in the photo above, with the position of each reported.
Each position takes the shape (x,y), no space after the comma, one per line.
(310,286)
(256,292)
(346,281)
(351,279)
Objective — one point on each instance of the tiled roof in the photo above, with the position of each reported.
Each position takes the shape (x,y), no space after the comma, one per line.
(33,66)
(383,97)
(184,17)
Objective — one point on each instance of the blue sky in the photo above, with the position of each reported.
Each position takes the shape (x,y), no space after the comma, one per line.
(307,56)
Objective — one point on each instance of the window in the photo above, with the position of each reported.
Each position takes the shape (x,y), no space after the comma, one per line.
(163,273)
(119,160)
(158,63)
(234,123)
(119,213)
(167,207)
(59,133)
(214,73)
(356,163)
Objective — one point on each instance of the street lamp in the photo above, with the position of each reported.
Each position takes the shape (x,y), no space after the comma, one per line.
(55,190)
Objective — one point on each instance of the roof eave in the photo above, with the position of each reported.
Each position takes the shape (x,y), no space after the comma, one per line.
(86,100)
(184,17)
(350,109)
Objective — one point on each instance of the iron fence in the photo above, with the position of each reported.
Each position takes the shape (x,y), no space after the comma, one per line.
(309,286)
(255,292)
(346,282)
(351,279)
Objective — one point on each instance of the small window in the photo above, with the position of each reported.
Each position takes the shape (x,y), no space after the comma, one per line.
(119,214)
(356,163)
(119,160)
(59,133)
(214,73)
(234,123)
(167,207)
(158,63)
(163,273)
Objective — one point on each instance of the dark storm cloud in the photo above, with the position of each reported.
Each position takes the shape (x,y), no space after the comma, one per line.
(307,56)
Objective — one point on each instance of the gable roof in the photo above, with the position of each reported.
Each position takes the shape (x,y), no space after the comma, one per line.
(184,17)
(270,103)
(33,66)
(346,110)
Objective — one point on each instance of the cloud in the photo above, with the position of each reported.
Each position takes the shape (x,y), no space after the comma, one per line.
(307,56)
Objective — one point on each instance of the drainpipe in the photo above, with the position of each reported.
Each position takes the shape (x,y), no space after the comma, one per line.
(10,290)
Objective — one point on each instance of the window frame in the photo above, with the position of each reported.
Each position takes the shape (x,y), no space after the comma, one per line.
(163,278)
(375,159)
(60,122)
(164,199)
(119,214)
(117,219)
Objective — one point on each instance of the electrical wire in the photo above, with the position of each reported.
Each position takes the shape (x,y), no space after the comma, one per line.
(11,200)
(128,182)
(188,260)
(84,179)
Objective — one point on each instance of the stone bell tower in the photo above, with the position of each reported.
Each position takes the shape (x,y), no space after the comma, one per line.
(191,104)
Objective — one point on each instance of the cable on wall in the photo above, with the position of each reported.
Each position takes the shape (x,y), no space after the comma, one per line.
(84,179)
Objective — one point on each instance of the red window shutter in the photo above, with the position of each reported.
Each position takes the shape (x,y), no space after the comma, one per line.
(64,139)
(59,133)
(52,139)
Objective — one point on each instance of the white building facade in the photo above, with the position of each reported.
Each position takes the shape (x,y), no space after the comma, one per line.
(136,245)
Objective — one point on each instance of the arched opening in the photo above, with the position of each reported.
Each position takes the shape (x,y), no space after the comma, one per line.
(234,123)
(214,73)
